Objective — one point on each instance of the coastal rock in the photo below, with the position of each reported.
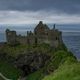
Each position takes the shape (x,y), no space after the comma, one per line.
(31,62)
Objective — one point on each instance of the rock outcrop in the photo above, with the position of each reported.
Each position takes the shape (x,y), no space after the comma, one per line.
(31,62)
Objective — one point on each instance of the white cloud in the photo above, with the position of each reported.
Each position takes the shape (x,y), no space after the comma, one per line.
(27,17)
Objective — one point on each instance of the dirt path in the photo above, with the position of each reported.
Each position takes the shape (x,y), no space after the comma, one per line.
(4,78)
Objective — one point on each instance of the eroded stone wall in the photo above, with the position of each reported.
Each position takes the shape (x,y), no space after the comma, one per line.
(42,34)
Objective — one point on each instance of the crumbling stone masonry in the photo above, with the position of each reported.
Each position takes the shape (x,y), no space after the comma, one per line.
(42,34)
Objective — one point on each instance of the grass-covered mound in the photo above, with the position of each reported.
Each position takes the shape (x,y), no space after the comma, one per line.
(22,49)
(38,75)
(9,71)
(13,50)
(67,71)
(9,53)
(62,64)
(60,61)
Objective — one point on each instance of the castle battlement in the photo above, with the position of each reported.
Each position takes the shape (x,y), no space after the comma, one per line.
(42,34)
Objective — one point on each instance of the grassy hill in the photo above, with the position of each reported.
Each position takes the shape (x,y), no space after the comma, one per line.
(63,66)
(67,71)
(9,71)
(22,49)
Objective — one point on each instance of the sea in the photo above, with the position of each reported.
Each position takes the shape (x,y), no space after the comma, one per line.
(70,34)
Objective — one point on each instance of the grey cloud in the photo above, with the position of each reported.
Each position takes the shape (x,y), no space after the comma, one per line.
(63,6)
(19,17)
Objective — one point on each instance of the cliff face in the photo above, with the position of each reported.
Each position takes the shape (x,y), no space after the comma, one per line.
(27,62)
(36,62)
(31,62)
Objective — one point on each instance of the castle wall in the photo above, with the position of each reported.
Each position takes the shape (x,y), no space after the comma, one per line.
(11,37)
(41,34)
(22,39)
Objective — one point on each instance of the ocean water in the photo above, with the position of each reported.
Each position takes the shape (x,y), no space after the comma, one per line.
(70,33)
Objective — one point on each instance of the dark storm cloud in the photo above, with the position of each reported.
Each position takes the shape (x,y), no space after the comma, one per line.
(66,6)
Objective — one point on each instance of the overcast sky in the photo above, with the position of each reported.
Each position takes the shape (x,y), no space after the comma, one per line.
(32,11)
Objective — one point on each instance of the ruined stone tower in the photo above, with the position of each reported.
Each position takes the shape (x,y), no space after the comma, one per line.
(11,37)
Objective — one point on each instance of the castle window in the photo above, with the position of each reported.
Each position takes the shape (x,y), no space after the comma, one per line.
(46,33)
(36,40)
(56,38)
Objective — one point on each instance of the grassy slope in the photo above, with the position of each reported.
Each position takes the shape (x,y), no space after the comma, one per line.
(13,51)
(66,72)
(69,68)
(9,71)
(21,49)
(63,65)
(38,75)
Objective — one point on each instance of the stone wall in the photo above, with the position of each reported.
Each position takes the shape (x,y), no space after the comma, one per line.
(11,37)
(41,34)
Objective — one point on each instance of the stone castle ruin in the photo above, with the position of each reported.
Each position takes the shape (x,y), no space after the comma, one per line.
(41,34)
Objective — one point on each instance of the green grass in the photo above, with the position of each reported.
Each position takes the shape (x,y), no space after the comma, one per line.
(21,49)
(14,51)
(62,65)
(59,58)
(67,71)
(66,67)
(38,75)
(9,71)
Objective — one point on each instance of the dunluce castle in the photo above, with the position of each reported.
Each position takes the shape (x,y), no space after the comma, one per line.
(41,34)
